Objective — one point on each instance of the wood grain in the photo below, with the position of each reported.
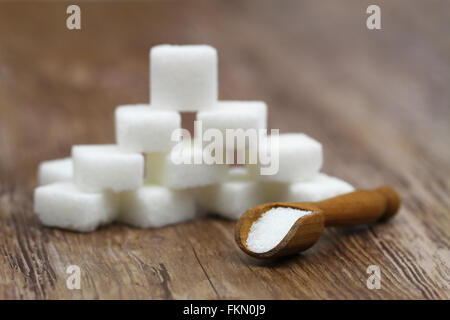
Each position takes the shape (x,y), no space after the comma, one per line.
(379,101)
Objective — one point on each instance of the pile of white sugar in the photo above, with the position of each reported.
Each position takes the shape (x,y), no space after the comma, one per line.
(268,231)
(149,179)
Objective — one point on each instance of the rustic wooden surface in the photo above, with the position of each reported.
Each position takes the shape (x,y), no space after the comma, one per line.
(379,101)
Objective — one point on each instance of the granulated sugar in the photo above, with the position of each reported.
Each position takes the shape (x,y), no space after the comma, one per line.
(273,225)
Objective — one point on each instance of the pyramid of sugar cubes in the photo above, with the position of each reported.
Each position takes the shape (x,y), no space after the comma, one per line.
(138,181)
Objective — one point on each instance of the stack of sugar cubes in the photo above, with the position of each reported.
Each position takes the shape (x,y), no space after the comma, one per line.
(138,181)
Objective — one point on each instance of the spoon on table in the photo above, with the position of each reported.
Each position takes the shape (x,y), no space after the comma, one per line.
(351,209)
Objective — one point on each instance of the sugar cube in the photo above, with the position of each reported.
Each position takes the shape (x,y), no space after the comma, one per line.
(233,197)
(63,205)
(183,77)
(235,115)
(178,170)
(319,188)
(55,171)
(299,156)
(243,119)
(156,206)
(106,167)
(141,128)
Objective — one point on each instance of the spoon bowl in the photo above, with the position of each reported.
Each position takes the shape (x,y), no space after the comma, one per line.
(302,235)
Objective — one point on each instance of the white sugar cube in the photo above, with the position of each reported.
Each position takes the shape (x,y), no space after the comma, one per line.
(183,77)
(233,197)
(243,119)
(141,128)
(106,167)
(235,115)
(178,170)
(55,171)
(156,206)
(319,188)
(63,205)
(300,157)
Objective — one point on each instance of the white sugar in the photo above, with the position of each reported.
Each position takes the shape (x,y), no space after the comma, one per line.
(55,171)
(300,157)
(268,231)
(183,78)
(141,128)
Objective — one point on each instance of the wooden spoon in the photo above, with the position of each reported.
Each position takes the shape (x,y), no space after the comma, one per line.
(359,207)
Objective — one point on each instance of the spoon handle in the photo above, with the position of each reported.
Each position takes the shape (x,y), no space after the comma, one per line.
(360,207)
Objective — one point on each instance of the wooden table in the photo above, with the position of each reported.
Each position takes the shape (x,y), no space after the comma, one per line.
(379,101)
